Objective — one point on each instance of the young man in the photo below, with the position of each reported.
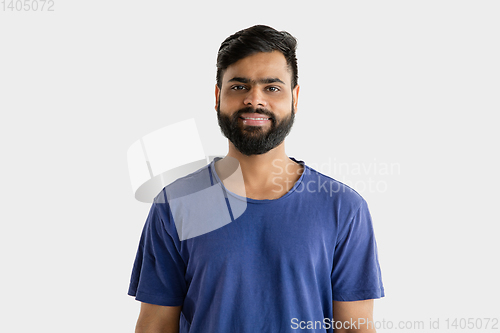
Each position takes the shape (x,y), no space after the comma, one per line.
(257,241)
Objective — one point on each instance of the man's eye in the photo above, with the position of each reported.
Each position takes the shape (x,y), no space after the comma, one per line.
(273,89)
(238,87)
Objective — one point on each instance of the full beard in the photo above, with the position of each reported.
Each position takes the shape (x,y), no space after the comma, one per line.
(253,140)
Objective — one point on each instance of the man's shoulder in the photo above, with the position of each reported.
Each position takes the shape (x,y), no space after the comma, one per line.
(329,187)
(191,183)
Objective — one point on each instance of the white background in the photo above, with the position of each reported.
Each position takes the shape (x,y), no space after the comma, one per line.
(412,84)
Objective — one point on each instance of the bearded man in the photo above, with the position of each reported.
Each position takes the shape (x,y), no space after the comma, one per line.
(285,249)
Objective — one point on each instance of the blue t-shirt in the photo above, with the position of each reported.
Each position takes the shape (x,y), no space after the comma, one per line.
(242,265)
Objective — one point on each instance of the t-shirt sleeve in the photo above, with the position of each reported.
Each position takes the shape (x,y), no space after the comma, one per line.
(158,275)
(356,272)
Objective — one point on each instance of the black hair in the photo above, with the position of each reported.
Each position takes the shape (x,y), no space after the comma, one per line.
(259,38)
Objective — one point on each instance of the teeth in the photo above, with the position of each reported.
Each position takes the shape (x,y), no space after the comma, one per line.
(257,118)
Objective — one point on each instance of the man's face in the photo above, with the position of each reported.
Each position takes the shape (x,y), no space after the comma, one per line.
(256,104)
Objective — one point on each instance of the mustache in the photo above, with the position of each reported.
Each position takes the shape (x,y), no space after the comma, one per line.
(250,109)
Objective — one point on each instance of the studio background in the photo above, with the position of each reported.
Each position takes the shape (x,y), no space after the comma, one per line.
(398,100)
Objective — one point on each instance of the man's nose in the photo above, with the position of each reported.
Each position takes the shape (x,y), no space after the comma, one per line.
(255,98)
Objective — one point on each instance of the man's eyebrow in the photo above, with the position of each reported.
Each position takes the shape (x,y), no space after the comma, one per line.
(266,80)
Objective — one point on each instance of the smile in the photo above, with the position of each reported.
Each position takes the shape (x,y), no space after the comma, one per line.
(255,121)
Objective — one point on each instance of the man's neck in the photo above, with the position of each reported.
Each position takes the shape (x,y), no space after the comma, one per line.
(264,176)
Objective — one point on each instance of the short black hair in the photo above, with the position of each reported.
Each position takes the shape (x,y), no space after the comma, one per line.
(259,38)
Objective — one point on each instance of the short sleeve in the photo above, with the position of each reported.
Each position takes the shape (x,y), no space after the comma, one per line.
(356,271)
(158,275)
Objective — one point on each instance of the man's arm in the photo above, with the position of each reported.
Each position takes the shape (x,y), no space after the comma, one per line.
(360,313)
(158,319)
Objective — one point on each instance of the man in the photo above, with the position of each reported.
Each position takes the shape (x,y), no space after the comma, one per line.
(285,249)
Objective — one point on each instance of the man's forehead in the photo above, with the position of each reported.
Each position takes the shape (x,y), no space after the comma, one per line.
(261,67)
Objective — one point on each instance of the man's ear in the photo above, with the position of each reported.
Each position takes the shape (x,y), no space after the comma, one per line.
(217,95)
(295,94)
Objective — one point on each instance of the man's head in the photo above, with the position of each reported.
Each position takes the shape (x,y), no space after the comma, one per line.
(257,89)
(259,38)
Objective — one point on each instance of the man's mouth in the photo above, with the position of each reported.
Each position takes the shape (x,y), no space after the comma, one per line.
(254,119)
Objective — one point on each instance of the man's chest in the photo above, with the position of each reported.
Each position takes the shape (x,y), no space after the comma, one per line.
(294,239)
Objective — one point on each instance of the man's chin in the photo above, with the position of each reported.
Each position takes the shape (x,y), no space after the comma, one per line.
(255,128)
(253,131)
